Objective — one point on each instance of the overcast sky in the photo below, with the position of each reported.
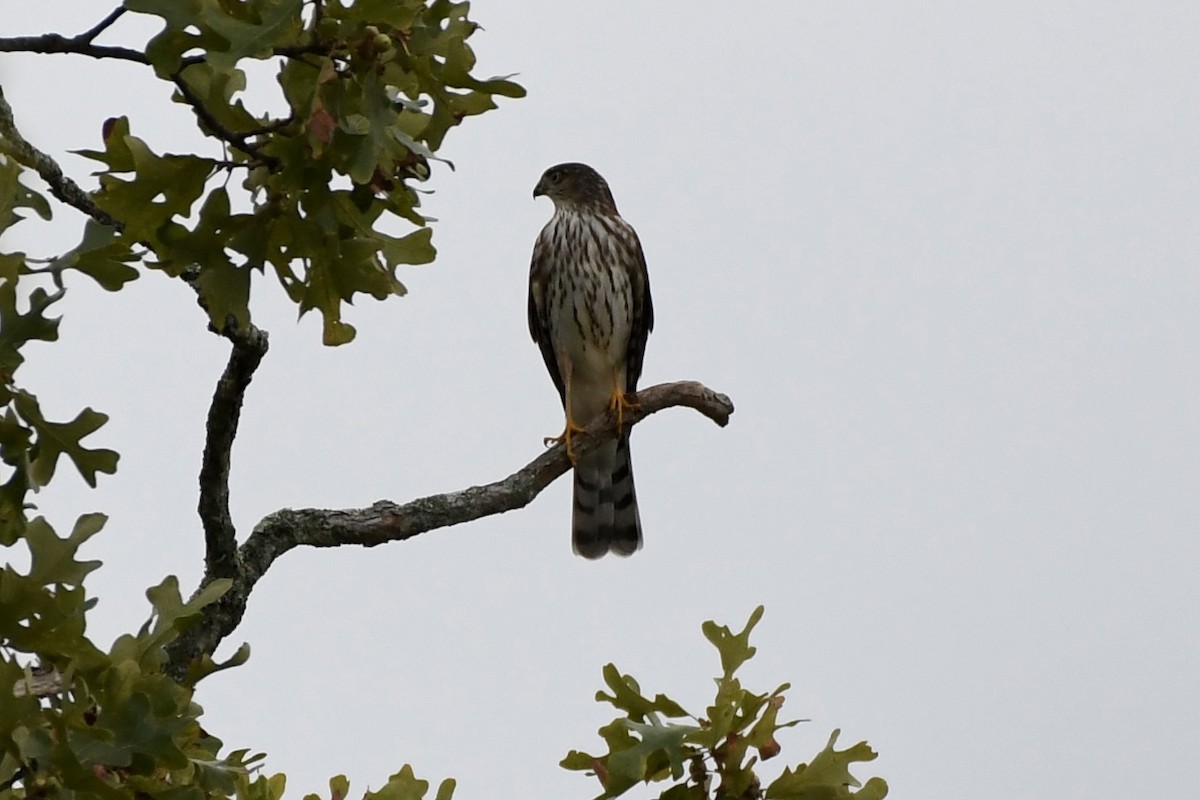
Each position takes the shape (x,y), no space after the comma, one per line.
(943,256)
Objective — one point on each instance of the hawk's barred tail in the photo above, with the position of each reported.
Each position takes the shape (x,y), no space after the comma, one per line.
(605,516)
(627,524)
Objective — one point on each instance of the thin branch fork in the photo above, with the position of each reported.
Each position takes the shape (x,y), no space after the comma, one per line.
(386,521)
(82,44)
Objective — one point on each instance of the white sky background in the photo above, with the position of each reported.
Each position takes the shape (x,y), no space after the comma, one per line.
(942,256)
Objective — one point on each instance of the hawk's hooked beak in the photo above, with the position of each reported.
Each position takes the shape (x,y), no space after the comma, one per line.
(540,189)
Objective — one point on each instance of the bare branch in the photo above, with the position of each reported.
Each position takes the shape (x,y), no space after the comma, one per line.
(81,44)
(91,33)
(62,187)
(249,347)
(50,43)
(385,521)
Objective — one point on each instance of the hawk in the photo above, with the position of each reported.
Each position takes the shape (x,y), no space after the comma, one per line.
(590,313)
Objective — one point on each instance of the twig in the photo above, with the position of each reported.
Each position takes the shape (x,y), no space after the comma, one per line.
(239,140)
(386,521)
(91,33)
(318,12)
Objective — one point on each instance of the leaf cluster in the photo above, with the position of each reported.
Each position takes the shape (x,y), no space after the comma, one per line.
(31,445)
(76,720)
(81,721)
(371,89)
(717,755)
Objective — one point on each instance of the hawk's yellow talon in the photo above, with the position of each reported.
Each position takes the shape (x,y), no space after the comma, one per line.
(569,431)
(620,403)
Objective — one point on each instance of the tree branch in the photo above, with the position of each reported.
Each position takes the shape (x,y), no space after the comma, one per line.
(81,44)
(220,537)
(385,521)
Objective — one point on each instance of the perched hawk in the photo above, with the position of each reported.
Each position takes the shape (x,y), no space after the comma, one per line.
(590,313)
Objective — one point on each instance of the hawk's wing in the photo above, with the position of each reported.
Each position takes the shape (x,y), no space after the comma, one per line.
(539,326)
(642,316)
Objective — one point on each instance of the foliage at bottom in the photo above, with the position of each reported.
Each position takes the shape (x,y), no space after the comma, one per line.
(717,755)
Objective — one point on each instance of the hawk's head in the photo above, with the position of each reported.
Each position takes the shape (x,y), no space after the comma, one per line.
(576,186)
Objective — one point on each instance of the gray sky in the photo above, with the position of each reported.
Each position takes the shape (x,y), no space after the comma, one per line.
(943,257)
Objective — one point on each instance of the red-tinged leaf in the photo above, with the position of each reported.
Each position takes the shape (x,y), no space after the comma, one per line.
(321,126)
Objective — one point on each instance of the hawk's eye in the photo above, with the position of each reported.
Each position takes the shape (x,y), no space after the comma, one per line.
(555,177)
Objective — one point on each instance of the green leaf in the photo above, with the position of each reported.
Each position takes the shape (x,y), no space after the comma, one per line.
(216,90)
(205,665)
(343,257)
(626,696)
(735,649)
(12,506)
(401,786)
(63,438)
(103,256)
(182,33)
(762,735)
(95,746)
(358,231)
(12,266)
(339,787)
(177,14)
(46,620)
(16,329)
(229,775)
(170,616)
(14,194)
(685,791)
(163,187)
(655,737)
(148,736)
(172,613)
(116,154)
(828,776)
(224,286)
(254,32)
(446,789)
(16,713)
(53,558)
